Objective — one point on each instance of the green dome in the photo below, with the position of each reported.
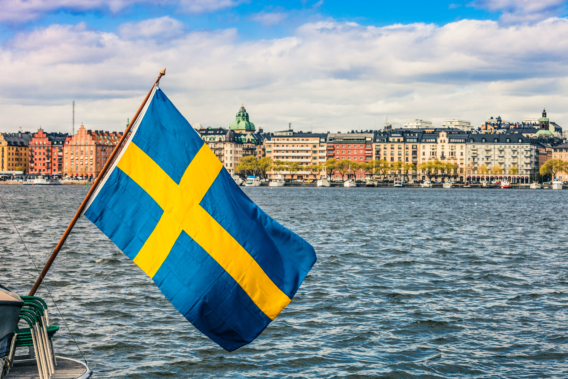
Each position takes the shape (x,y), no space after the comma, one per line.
(544,133)
(242,122)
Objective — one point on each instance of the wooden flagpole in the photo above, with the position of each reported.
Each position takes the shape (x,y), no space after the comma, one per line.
(91,191)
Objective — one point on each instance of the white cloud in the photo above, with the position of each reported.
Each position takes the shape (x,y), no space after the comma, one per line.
(165,28)
(203,6)
(327,76)
(520,11)
(269,18)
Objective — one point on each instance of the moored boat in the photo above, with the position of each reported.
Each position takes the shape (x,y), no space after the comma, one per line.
(349,183)
(426,184)
(536,185)
(252,181)
(398,183)
(24,323)
(323,182)
(237,180)
(278,181)
(557,184)
(46,181)
(448,185)
(505,184)
(467,185)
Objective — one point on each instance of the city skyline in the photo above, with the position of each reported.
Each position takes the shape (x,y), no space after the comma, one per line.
(314,64)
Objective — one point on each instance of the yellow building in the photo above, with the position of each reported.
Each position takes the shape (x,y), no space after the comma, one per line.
(14,151)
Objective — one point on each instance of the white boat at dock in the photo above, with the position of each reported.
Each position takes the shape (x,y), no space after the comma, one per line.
(278,181)
(398,183)
(323,182)
(536,185)
(426,184)
(448,185)
(349,183)
(252,181)
(46,181)
(557,184)
(237,180)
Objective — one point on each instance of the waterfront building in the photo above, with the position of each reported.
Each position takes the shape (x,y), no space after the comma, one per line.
(14,151)
(457,124)
(46,153)
(354,146)
(240,140)
(418,124)
(510,156)
(85,153)
(561,152)
(305,149)
(230,146)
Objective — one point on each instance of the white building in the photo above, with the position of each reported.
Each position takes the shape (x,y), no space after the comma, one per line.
(418,124)
(457,124)
(503,150)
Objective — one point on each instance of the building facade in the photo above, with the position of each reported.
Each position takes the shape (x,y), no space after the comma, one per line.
(240,140)
(85,153)
(512,154)
(561,152)
(14,151)
(46,153)
(288,146)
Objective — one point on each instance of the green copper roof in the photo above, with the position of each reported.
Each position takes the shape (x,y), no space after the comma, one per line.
(544,119)
(242,122)
(544,133)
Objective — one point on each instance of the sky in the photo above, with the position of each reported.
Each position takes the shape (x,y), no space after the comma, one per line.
(322,65)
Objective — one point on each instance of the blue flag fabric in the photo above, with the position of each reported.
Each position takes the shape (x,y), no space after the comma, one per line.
(169,204)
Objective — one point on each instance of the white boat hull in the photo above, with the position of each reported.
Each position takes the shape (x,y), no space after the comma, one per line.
(276,183)
(448,185)
(323,183)
(536,186)
(426,185)
(349,184)
(556,186)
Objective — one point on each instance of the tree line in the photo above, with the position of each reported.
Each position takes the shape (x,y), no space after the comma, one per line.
(250,165)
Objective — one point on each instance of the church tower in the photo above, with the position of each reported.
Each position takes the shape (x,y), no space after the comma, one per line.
(242,123)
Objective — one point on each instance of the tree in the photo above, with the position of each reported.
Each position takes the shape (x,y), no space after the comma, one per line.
(20,168)
(553,166)
(264,164)
(383,167)
(448,169)
(247,164)
(330,166)
(343,167)
(294,167)
(406,168)
(427,168)
(483,170)
(314,169)
(513,170)
(371,167)
(354,167)
(396,167)
(496,170)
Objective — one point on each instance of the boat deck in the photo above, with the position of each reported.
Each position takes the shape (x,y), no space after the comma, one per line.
(66,369)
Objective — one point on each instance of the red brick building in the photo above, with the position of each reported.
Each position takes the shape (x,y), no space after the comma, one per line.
(86,152)
(46,153)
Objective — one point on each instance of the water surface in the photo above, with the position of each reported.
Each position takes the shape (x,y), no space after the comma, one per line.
(409,283)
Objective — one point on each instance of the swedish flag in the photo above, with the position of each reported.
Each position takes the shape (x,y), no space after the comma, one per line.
(168,203)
